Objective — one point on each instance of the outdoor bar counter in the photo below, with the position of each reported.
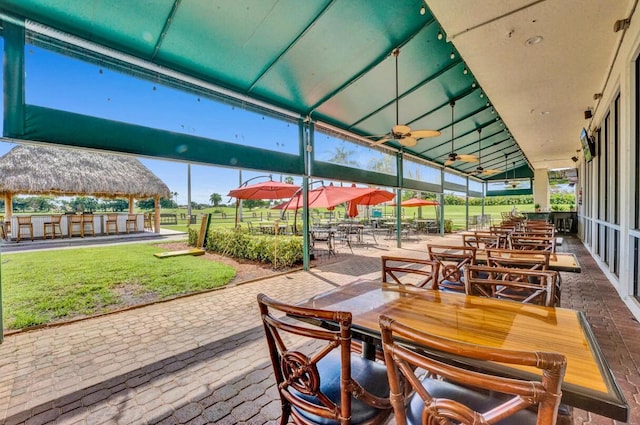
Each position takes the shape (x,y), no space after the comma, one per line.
(98,225)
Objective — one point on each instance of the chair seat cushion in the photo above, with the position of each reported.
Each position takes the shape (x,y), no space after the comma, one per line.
(452,286)
(369,374)
(473,399)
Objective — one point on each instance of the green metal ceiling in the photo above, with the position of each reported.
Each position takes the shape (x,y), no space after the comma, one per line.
(330,60)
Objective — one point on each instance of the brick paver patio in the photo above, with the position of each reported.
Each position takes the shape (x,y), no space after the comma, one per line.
(202,359)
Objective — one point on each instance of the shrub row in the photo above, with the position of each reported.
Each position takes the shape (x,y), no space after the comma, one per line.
(280,251)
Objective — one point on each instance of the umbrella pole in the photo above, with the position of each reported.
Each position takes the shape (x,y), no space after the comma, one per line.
(237,205)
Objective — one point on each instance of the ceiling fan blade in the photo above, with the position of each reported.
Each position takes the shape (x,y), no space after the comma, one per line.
(467,158)
(401,130)
(490,171)
(381,141)
(448,162)
(423,134)
(408,141)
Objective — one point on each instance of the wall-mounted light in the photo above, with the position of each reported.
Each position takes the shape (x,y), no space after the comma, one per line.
(621,24)
(597,96)
(574,158)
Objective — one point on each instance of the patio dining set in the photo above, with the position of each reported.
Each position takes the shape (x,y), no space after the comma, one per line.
(472,333)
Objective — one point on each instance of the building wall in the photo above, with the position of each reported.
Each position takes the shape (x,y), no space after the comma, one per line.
(608,190)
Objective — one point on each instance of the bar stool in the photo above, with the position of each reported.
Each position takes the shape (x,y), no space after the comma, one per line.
(87,221)
(111,222)
(75,223)
(52,227)
(132,223)
(24,221)
(148,223)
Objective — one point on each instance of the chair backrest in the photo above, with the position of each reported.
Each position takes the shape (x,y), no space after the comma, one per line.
(24,219)
(412,271)
(313,367)
(55,219)
(539,230)
(508,283)
(445,396)
(531,259)
(112,217)
(482,240)
(75,218)
(540,243)
(452,259)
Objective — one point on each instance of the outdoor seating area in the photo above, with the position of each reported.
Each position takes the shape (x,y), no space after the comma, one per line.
(414,212)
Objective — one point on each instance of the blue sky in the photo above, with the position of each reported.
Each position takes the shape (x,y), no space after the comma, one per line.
(68,84)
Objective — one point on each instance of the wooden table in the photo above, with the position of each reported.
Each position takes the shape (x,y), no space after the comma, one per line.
(588,382)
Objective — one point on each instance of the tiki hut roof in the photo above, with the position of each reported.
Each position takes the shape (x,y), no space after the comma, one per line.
(60,171)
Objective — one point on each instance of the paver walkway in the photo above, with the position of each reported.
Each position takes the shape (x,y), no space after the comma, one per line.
(202,359)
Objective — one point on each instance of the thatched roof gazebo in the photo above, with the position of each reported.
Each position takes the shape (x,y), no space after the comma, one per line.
(45,170)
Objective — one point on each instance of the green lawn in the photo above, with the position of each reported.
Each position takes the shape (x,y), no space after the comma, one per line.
(44,286)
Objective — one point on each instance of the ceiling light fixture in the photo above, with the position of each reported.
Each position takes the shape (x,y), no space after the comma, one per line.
(465,71)
(536,39)
(473,85)
(423,10)
(452,55)
(440,35)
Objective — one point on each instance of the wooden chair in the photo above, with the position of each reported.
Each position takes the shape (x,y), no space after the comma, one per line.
(87,224)
(401,269)
(74,221)
(24,221)
(52,227)
(111,222)
(482,240)
(131,223)
(5,228)
(318,378)
(454,393)
(508,283)
(531,259)
(534,260)
(502,232)
(452,259)
(540,243)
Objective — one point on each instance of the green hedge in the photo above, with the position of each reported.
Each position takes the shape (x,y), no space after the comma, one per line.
(280,251)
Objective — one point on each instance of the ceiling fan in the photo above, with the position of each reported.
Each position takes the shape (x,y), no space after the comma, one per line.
(453,156)
(513,184)
(403,133)
(479,171)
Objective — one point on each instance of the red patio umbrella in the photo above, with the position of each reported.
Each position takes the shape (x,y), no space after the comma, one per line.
(265,190)
(270,189)
(326,197)
(417,202)
(372,197)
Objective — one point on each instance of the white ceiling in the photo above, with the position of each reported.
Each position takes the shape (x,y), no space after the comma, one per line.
(540,90)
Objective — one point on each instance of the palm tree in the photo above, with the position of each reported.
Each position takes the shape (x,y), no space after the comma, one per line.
(215,199)
(343,156)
